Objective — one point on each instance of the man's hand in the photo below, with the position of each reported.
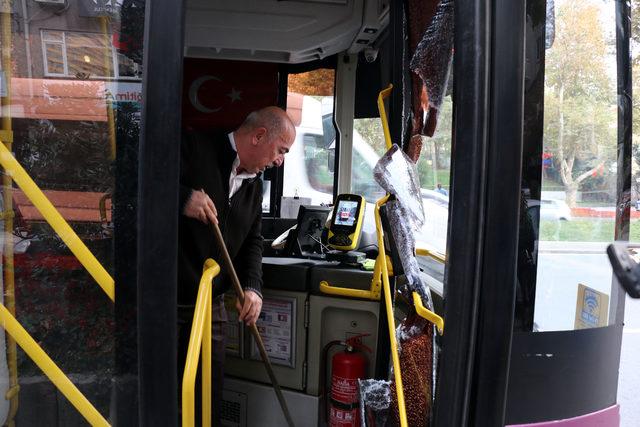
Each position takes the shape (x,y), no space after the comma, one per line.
(201,207)
(250,311)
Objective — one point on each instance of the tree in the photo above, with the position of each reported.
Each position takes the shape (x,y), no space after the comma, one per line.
(579,100)
(318,82)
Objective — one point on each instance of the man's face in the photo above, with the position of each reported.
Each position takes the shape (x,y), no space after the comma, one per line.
(269,150)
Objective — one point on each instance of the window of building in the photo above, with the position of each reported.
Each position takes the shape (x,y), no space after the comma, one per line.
(85,55)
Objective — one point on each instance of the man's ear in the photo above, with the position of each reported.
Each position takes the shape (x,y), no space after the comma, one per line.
(259,135)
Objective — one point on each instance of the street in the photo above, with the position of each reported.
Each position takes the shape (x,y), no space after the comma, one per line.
(561,266)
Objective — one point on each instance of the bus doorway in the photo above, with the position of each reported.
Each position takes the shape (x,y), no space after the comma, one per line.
(95,116)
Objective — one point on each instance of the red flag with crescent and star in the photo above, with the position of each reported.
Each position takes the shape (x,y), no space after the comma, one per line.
(219,94)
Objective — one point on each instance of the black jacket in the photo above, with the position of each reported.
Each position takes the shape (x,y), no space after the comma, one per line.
(206,164)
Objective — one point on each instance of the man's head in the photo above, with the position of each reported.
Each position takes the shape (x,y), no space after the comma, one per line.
(263,139)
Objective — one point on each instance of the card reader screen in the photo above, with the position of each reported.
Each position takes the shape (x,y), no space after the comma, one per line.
(346,213)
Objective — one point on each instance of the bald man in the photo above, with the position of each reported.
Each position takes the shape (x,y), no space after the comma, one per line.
(220,183)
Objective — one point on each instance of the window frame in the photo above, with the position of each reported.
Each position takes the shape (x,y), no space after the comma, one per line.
(63,43)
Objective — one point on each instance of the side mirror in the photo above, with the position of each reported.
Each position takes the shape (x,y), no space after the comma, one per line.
(624,260)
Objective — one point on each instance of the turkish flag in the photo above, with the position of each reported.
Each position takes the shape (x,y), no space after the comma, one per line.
(219,94)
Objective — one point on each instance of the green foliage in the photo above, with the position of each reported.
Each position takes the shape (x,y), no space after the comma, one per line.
(372,133)
(585,230)
(60,156)
(580,98)
(435,158)
(576,60)
(426,174)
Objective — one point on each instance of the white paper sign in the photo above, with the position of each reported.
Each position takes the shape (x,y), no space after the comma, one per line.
(276,325)
(290,205)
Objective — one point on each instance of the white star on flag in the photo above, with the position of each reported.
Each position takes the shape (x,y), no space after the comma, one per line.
(234,95)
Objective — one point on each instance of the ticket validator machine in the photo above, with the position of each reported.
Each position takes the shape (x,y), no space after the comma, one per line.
(345,229)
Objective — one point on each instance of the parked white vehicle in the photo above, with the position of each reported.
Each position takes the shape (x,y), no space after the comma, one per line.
(552,209)
(307,174)
(555,209)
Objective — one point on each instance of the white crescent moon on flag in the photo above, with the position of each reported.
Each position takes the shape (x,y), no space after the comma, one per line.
(193,94)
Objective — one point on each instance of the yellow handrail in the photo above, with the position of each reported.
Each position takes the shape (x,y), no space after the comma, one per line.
(384,93)
(326,288)
(425,313)
(50,369)
(200,337)
(438,256)
(53,217)
(373,293)
(6,135)
(385,272)
(390,319)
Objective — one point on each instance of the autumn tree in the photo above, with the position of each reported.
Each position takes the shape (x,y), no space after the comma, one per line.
(318,82)
(579,100)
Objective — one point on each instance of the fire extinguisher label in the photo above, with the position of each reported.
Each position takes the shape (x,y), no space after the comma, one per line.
(344,399)
(344,390)
(342,418)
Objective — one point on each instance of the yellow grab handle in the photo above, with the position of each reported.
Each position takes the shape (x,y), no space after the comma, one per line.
(438,256)
(199,339)
(50,369)
(384,93)
(425,313)
(326,288)
(53,217)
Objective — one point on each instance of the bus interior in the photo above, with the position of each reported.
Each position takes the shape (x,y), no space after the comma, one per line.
(491,172)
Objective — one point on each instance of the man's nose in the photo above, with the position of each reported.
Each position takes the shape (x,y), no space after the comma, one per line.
(279,161)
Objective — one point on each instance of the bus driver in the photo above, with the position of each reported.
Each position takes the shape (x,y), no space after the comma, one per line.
(220,183)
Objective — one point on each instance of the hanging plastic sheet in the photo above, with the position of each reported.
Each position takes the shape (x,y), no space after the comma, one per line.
(405,241)
(432,60)
(375,401)
(396,173)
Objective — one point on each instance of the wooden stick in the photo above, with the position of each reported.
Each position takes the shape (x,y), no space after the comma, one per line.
(253,328)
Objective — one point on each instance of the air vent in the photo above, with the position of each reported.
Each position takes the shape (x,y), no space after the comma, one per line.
(230,412)
(233,409)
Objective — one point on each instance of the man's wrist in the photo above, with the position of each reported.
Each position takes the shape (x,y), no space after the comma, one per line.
(254,290)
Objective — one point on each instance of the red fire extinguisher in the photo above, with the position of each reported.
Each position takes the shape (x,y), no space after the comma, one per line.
(346,368)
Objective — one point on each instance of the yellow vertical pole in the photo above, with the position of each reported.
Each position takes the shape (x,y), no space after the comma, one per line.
(104,26)
(206,363)
(206,346)
(8,272)
(386,287)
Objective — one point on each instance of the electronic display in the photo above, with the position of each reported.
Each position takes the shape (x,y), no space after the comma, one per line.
(346,213)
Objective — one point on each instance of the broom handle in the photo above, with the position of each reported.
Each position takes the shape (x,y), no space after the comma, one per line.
(253,328)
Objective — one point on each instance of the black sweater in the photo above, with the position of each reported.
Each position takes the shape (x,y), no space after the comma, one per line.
(206,161)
